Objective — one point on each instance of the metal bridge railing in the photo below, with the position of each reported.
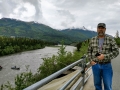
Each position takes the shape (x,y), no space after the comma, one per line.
(82,79)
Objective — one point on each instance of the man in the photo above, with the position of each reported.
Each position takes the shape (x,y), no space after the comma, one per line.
(101,50)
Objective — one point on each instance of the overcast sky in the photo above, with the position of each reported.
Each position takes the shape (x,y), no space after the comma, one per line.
(61,14)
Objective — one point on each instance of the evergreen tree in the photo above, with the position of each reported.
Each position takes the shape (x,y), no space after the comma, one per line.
(117,34)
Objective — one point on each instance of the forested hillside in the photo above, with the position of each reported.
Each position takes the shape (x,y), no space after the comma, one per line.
(16,28)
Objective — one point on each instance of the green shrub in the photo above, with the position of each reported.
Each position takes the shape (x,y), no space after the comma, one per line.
(8,50)
(17,48)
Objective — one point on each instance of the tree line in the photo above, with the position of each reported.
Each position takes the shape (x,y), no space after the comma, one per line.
(18,44)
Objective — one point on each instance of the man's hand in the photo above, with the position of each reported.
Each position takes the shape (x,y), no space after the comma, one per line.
(92,63)
(101,57)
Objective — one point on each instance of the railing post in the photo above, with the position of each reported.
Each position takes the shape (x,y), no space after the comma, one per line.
(83,67)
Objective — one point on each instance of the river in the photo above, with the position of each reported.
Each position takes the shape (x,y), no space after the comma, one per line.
(33,59)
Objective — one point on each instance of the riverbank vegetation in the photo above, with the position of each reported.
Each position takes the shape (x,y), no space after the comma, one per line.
(117,41)
(14,45)
(48,67)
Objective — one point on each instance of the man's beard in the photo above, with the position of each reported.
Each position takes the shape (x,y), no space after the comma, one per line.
(101,33)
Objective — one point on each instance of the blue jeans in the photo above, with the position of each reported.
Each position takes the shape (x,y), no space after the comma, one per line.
(102,73)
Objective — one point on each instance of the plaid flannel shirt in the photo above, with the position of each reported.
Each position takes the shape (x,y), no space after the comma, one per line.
(109,49)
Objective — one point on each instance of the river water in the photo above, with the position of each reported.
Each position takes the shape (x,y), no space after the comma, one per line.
(33,59)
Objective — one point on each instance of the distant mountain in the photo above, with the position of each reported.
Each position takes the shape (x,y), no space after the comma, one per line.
(80,33)
(17,28)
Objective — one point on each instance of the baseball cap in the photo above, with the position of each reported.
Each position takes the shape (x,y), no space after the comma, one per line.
(101,25)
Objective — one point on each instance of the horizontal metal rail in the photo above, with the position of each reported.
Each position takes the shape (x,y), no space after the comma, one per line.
(66,84)
(74,87)
(51,77)
(82,79)
(81,88)
(87,78)
(88,69)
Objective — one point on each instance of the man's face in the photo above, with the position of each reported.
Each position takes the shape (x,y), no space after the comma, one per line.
(101,31)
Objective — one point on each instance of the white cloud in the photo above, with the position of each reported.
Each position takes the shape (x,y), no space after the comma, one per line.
(24,11)
(65,13)
(51,13)
(0,15)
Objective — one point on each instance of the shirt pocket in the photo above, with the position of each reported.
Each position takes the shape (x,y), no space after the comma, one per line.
(106,48)
(95,49)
